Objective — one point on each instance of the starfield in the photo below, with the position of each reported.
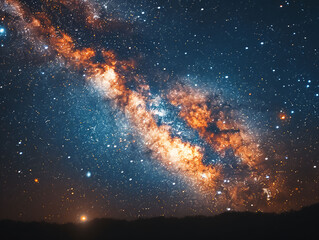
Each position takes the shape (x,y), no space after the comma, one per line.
(138,109)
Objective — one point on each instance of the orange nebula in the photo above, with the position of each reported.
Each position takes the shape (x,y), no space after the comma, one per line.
(214,121)
(215,124)
(175,155)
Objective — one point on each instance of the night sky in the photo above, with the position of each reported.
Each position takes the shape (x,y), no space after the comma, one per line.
(143,108)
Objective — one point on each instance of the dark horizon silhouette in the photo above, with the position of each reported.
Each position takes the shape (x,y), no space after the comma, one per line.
(300,224)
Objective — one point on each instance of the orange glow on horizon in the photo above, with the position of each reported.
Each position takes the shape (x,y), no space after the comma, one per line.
(83,218)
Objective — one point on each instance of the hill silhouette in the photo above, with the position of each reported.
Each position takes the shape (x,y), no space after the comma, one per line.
(301,224)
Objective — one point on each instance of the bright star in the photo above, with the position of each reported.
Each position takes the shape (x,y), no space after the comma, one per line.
(2,31)
(83,218)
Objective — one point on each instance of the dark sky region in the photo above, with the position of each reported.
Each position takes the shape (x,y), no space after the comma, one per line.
(142,108)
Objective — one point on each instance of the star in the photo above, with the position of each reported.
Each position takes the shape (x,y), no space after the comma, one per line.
(83,218)
(2,31)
